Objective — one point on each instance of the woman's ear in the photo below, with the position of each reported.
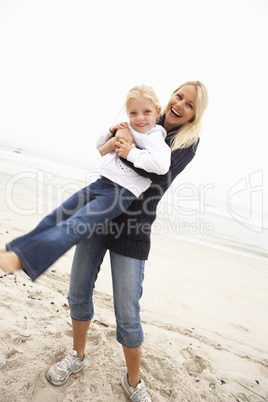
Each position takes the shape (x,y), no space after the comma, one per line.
(192,119)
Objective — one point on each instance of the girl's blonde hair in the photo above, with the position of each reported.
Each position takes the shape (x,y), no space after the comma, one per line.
(143,91)
(188,134)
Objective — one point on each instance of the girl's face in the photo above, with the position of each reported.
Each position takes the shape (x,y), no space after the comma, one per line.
(142,114)
(181,107)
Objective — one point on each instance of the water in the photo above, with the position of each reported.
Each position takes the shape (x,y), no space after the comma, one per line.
(214,226)
(34,185)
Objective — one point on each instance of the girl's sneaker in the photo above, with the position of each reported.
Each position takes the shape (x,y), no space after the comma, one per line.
(138,394)
(59,373)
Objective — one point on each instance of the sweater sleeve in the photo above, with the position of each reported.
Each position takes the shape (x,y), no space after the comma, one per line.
(179,160)
(103,138)
(155,158)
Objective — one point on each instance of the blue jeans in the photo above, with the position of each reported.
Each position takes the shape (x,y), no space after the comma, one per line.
(127,277)
(86,211)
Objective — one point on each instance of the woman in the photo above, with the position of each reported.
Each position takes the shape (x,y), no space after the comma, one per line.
(128,239)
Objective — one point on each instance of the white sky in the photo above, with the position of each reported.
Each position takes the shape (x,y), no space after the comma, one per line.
(66,66)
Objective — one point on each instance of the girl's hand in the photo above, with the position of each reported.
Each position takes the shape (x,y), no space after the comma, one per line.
(119,126)
(122,148)
(124,133)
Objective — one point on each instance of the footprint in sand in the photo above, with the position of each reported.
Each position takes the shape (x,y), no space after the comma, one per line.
(240,327)
(194,364)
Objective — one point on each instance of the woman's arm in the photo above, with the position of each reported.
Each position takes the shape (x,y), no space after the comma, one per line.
(107,147)
(124,133)
(106,144)
(153,154)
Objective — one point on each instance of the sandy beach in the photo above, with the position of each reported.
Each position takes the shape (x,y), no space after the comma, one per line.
(204,313)
(66,70)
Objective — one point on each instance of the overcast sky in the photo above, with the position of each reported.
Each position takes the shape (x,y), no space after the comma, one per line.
(66,66)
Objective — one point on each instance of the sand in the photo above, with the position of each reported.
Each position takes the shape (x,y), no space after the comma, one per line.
(204,315)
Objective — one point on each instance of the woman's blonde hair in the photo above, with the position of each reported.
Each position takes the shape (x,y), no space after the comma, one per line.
(143,91)
(188,134)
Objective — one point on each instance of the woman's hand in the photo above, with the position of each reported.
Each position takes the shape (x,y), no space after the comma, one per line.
(122,148)
(118,126)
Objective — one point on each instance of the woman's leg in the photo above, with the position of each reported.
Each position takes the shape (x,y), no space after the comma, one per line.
(88,257)
(133,362)
(80,329)
(128,275)
(87,260)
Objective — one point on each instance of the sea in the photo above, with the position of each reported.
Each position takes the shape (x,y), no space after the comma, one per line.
(193,216)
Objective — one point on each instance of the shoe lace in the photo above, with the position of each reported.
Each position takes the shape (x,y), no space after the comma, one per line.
(66,363)
(139,395)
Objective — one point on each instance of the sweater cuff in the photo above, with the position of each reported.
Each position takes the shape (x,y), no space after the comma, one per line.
(133,155)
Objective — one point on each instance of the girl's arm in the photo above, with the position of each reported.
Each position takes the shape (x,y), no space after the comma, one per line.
(155,155)
(179,160)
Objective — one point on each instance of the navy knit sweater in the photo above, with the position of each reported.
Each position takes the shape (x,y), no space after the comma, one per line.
(129,234)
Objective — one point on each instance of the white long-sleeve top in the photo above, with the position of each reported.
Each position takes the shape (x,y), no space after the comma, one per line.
(154,157)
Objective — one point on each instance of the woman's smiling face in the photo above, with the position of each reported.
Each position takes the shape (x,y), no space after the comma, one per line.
(181,107)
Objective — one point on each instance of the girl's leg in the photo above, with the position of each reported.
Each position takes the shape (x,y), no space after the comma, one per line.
(41,248)
(128,275)
(9,262)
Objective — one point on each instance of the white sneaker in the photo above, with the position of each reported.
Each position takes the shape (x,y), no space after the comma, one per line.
(59,373)
(138,394)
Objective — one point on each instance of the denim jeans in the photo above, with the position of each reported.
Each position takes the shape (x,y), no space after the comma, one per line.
(127,278)
(78,217)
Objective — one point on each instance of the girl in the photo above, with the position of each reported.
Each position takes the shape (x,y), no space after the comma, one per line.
(92,207)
